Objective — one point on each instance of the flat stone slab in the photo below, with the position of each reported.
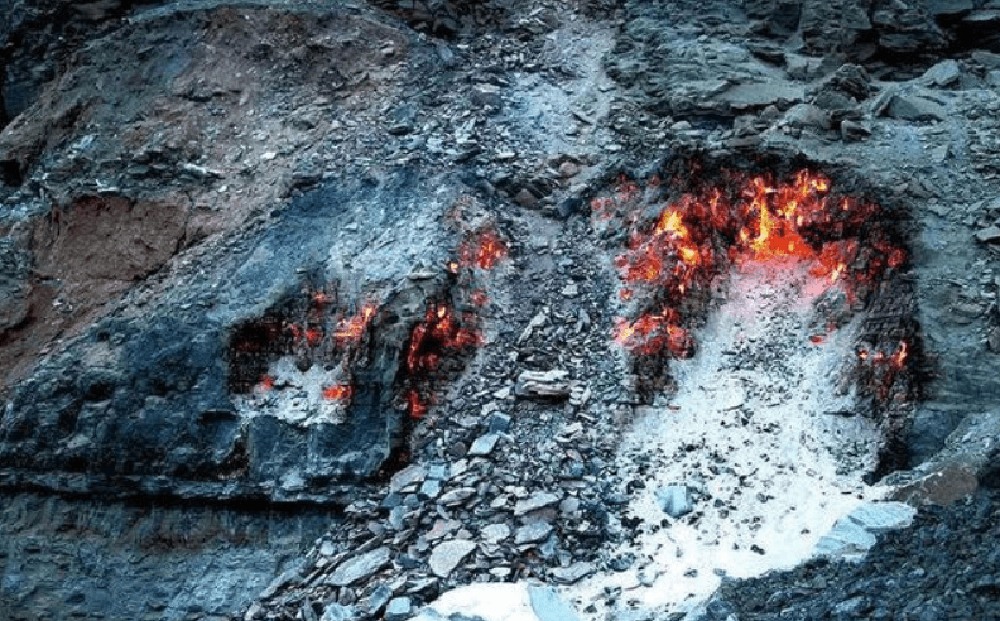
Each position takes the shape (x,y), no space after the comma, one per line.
(446,556)
(535,502)
(760,95)
(532,533)
(360,567)
(853,535)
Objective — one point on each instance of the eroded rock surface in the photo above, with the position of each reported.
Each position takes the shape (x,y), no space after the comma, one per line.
(179,178)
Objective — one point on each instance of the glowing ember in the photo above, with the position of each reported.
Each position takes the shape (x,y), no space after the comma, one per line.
(899,358)
(437,333)
(756,220)
(651,333)
(314,336)
(338,392)
(485,251)
(414,406)
(351,330)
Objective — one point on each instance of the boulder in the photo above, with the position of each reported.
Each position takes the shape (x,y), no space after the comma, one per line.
(915,108)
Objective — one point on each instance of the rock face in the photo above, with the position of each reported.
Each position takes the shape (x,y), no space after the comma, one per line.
(163,379)
(238,282)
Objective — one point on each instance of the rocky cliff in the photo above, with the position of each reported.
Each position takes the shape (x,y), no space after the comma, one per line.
(327,309)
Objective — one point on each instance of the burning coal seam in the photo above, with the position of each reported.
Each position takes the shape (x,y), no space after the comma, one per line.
(676,247)
(312,329)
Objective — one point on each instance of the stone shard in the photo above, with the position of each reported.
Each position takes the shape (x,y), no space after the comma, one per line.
(532,533)
(574,573)
(447,555)
(535,502)
(543,384)
(990,234)
(852,536)
(360,567)
(915,108)
(945,73)
(483,445)
(674,500)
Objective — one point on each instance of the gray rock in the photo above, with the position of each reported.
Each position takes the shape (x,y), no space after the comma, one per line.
(336,612)
(834,25)
(379,597)
(547,606)
(674,500)
(915,108)
(808,116)
(987,59)
(803,67)
(532,533)
(360,567)
(535,502)
(483,445)
(759,95)
(457,496)
(499,423)
(447,555)
(945,73)
(407,476)
(993,339)
(544,384)
(938,8)
(495,533)
(852,536)
(851,131)
(398,609)
(575,572)
(430,488)
(988,235)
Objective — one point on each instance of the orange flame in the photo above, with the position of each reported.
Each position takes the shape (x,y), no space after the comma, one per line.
(762,220)
(437,333)
(671,222)
(899,358)
(338,392)
(484,252)
(351,330)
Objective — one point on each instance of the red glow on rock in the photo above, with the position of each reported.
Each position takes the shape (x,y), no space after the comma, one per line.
(438,333)
(351,330)
(651,333)
(314,336)
(899,357)
(484,251)
(338,392)
(266,383)
(747,219)
(415,407)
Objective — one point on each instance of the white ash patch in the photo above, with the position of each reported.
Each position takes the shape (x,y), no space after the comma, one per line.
(296,396)
(751,436)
